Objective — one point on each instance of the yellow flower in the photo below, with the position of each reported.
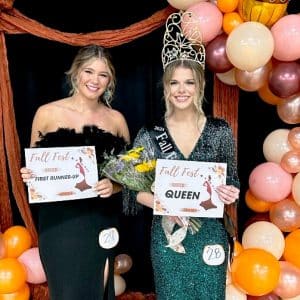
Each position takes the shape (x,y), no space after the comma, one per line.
(146,166)
(132,154)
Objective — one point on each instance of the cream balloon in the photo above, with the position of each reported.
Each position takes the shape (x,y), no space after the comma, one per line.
(227,77)
(276,144)
(264,235)
(120,284)
(250,46)
(183,4)
(233,293)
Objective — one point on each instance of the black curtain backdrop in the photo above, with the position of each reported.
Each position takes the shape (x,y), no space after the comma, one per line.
(37,69)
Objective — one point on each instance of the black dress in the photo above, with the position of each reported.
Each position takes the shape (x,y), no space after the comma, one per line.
(69,230)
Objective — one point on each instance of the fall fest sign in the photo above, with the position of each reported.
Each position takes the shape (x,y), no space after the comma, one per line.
(61,173)
(188,188)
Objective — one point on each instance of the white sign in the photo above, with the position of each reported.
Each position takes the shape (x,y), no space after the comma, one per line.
(61,173)
(188,188)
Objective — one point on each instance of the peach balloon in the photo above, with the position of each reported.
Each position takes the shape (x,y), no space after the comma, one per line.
(250,46)
(294,138)
(286,34)
(208,20)
(289,110)
(292,246)
(33,265)
(227,77)
(285,214)
(255,271)
(264,235)
(296,188)
(269,182)
(252,80)
(290,161)
(289,280)
(183,4)
(276,144)
(233,293)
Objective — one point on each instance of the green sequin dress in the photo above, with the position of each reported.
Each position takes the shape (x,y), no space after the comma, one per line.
(186,276)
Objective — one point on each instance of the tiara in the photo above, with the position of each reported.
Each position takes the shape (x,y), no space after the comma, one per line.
(182,43)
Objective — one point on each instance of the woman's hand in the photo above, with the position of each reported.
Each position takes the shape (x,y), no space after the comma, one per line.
(228,193)
(26,174)
(104,188)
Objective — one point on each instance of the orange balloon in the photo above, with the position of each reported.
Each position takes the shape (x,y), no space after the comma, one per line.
(12,275)
(267,96)
(230,21)
(17,239)
(2,246)
(256,204)
(237,248)
(292,246)
(22,294)
(255,271)
(227,6)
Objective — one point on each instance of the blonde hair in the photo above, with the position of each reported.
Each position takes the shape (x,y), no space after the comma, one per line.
(199,77)
(84,55)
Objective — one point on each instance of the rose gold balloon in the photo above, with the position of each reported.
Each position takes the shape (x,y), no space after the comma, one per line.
(294,137)
(296,188)
(123,264)
(290,161)
(285,214)
(252,80)
(289,110)
(289,280)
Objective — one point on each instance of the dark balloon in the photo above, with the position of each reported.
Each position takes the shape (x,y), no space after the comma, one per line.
(216,57)
(270,296)
(284,79)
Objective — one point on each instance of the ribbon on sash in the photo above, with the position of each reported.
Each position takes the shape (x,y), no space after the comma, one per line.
(160,135)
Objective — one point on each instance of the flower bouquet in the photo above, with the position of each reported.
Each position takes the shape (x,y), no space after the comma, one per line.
(135,169)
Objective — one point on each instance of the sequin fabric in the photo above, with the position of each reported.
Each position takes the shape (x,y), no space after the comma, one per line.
(186,276)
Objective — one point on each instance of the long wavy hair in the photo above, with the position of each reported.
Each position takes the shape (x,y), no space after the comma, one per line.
(84,55)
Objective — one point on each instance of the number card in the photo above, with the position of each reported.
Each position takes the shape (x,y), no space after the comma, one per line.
(61,173)
(188,188)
